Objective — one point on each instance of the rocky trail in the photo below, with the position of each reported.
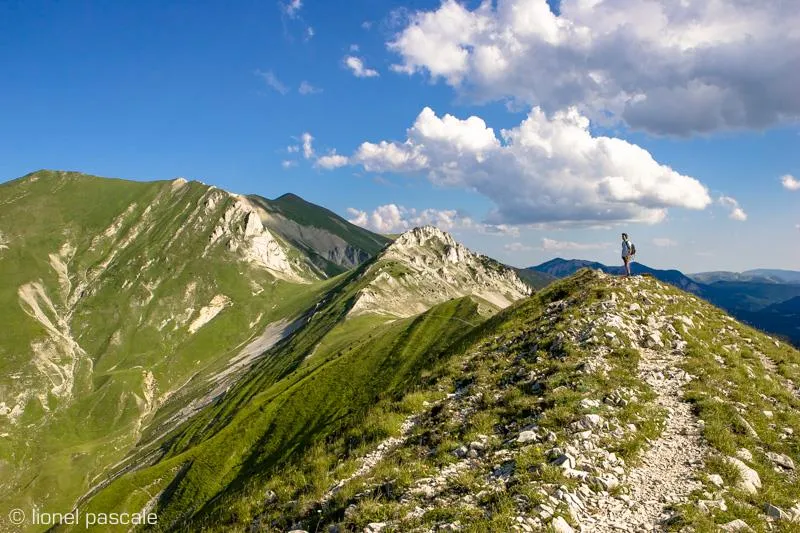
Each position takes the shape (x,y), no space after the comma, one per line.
(667,470)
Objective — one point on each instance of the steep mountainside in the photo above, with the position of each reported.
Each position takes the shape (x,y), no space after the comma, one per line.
(124,304)
(320,380)
(782,318)
(333,244)
(534,278)
(600,404)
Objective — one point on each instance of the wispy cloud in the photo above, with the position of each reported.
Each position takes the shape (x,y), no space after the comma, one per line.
(790,183)
(736,212)
(664,242)
(306,88)
(272,81)
(552,244)
(292,7)
(517,247)
(288,163)
(357,67)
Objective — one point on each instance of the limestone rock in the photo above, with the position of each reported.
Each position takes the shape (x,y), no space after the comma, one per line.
(749,481)
(736,525)
(561,526)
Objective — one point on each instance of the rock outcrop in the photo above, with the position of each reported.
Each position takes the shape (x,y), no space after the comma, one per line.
(426,266)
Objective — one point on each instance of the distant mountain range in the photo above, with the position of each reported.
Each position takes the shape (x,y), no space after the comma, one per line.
(763,275)
(765,298)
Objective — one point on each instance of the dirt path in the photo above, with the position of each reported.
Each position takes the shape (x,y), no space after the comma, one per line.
(667,471)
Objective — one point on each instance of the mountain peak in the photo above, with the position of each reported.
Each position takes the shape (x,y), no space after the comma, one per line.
(429,240)
(421,235)
(426,266)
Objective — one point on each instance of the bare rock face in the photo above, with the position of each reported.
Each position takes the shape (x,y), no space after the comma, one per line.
(241,228)
(426,266)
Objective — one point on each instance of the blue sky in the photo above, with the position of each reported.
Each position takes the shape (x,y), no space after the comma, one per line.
(156,90)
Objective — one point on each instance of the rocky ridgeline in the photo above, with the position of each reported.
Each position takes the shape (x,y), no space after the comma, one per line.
(631,454)
(426,266)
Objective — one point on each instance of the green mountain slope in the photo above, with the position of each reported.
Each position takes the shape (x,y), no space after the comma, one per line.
(598,402)
(317,382)
(562,409)
(122,303)
(333,244)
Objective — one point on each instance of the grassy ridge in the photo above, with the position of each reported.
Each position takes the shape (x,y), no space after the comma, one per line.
(325,393)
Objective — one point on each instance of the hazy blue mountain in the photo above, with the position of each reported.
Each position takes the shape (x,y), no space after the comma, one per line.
(787,276)
(561,268)
(763,275)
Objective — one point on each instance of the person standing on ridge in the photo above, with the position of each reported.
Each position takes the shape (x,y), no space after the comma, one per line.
(628,251)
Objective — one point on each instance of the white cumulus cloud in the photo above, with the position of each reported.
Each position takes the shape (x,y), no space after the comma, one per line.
(736,212)
(666,66)
(790,182)
(332,160)
(356,66)
(548,169)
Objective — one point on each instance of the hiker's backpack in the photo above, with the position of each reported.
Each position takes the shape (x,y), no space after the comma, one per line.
(633,249)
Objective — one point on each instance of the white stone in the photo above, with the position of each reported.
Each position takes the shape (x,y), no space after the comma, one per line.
(749,481)
(561,526)
(735,525)
(744,454)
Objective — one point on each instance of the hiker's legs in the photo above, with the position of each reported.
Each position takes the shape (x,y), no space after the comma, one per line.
(627,261)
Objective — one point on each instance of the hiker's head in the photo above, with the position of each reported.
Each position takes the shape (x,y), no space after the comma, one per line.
(624,236)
